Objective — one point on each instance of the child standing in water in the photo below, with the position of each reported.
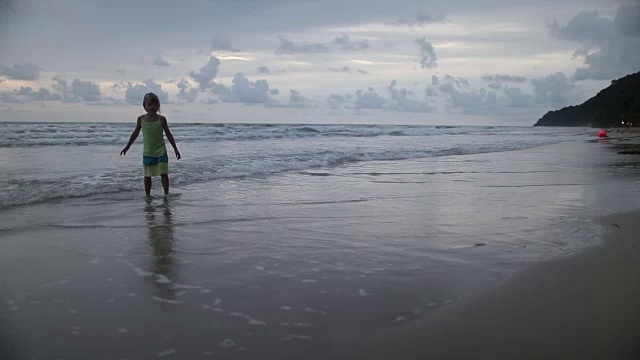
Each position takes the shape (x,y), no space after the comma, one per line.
(155,159)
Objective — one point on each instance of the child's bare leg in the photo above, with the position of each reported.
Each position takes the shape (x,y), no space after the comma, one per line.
(147,185)
(165,183)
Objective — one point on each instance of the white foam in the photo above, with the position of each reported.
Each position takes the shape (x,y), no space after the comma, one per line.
(166,301)
(294,336)
(286,307)
(166,353)
(251,320)
(162,279)
(227,344)
(310,310)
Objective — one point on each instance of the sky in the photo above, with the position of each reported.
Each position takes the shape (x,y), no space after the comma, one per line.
(485,62)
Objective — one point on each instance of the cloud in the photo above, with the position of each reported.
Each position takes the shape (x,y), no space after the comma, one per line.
(263,70)
(469,101)
(25,71)
(289,47)
(274,91)
(504,78)
(345,43)
(244,90)
(552,90)
(135,92)
(222,42)
(296,100)
(402,101)
(121,71)
(78,90)
(419,20)
(158,60)
(187,92)
(363,71)
(428,54)
(24,94)
(627,21)
(335,101)
(342,69)
(207,73)
(516,98)
(610,48)
(369,100)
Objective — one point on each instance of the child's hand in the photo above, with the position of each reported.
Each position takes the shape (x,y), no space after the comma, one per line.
(178,155)
(124,151)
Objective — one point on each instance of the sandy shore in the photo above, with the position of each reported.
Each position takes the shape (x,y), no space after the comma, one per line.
(583,307)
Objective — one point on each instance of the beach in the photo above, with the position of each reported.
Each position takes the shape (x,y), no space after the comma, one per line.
(462,254)
(581,307)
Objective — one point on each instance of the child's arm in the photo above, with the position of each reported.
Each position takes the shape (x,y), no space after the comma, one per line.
(133,137)
(167,132)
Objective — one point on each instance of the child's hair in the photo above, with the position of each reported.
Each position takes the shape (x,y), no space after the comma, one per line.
(150,96)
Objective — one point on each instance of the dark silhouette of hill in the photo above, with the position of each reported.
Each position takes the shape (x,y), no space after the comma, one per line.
(619,102)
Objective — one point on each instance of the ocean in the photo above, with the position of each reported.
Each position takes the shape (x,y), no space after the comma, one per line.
(49,161)
(280,241)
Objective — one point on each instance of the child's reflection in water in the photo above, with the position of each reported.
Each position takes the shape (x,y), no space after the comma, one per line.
(161,239)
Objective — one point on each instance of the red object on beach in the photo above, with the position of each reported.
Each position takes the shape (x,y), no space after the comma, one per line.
(602,134)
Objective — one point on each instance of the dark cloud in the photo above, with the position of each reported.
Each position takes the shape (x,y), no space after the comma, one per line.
(363,71)
(263,70)
(222,42)
(289,47)
(552,90)
(158,60)
(207,73)
(496,85)
(274,91)
(25,71)
(345,43)
(610,48)
(428,54)
(421,19)
(135,92)
(627,21)
(504,78)
(187,92)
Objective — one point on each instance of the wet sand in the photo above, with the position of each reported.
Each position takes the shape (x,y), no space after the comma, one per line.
(583,307)
(371,260)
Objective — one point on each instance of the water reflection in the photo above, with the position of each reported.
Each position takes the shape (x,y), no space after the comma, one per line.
(161,239)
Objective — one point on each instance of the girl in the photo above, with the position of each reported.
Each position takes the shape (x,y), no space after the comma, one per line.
(155,159)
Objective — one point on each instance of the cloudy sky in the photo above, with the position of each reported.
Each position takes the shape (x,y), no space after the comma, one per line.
(308,61)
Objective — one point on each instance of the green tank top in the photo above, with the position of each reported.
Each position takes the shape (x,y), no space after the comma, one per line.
(152,138)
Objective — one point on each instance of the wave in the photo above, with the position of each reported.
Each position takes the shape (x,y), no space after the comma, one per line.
(81,134)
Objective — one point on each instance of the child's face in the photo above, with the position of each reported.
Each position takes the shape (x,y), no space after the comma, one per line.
(152,105)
